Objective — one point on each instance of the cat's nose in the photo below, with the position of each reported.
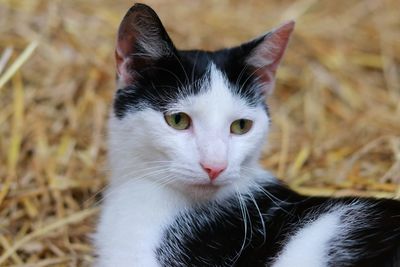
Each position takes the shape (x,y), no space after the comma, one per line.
(213,171)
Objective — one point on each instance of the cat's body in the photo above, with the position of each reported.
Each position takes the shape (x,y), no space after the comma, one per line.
(186,189)
(284,229)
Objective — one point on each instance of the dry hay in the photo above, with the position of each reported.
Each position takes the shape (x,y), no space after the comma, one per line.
(336,110)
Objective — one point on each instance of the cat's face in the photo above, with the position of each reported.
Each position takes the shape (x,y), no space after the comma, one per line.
(192,120)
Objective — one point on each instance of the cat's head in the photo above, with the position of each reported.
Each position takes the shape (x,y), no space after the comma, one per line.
(192,120)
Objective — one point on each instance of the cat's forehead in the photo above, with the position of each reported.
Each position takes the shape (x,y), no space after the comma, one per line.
(215,98)
(198,76)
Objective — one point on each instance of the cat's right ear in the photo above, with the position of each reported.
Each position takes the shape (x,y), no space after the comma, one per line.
(264,54)
(142,39)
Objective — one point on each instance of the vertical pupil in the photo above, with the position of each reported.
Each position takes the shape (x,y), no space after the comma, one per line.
(177,118)
(242,124)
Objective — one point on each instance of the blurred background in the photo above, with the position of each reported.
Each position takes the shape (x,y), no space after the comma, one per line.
(335,111)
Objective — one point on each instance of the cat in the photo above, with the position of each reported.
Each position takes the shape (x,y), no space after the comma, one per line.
(186,188)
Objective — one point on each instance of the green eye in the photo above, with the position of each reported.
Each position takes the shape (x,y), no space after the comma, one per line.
(178,121)
(241,126)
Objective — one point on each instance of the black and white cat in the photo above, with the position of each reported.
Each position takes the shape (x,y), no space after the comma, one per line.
(185,137)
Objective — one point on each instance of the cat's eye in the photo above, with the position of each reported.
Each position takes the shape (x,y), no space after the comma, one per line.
(241,126)
(178,121)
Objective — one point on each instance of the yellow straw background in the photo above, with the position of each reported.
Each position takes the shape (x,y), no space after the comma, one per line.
(335,111)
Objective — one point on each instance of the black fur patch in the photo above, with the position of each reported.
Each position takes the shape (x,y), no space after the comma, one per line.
(162,82)
(214,234)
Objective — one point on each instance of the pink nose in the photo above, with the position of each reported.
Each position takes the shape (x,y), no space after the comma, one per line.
(213,170)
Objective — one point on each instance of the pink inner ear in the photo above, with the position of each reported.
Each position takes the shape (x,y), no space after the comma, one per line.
(122,66)
(268,54)
(119,60)
(277,44)
(127,37)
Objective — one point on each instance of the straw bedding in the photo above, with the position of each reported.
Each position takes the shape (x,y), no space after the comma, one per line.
(336,109)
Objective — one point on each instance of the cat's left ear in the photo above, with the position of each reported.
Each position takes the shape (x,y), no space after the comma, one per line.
(266,53)
(142,40)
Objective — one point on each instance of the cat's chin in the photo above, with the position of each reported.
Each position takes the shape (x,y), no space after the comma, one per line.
(205,191)
(205,187)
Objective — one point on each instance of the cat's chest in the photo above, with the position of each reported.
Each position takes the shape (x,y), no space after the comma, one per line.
(132,223)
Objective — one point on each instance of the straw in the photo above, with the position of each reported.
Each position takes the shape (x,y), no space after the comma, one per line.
(17,63)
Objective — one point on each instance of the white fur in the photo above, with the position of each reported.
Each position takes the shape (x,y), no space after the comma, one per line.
(131,223)
(153,47)
(309,246)
(327,237)
(156,169)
